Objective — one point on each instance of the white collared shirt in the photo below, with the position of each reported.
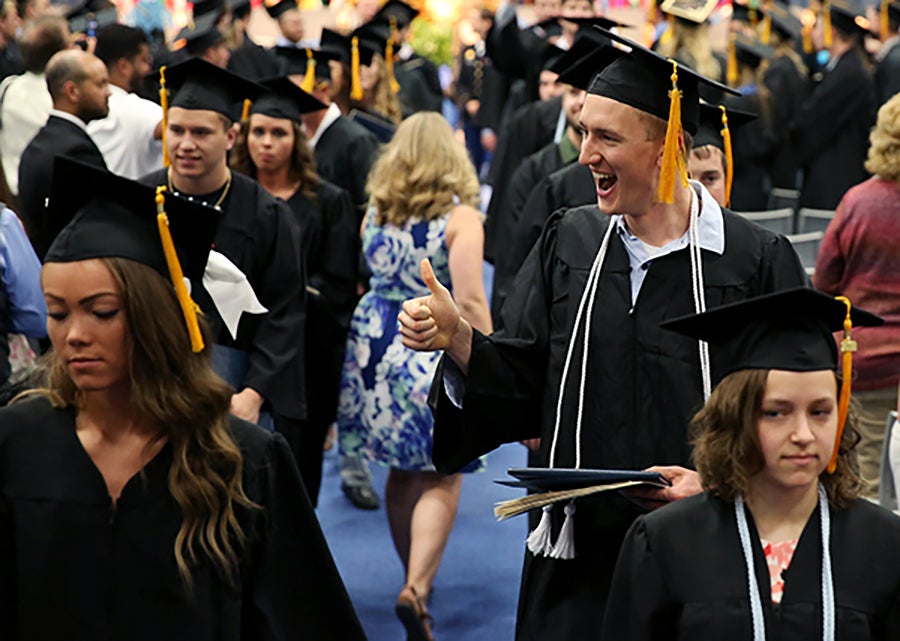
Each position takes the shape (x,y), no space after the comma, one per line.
(125,136)
(65,115)
(26,107)
(333,113)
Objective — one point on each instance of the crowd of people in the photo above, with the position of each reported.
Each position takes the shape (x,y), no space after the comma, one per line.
(215,254)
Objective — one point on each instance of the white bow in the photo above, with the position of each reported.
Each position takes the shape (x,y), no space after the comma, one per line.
(230,291)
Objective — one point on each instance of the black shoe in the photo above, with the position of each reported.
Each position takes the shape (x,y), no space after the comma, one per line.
(362,496)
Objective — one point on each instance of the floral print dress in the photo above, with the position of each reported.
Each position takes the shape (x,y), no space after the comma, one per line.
(383,408)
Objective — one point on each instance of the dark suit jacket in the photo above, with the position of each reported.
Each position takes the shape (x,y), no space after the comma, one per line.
(58,137)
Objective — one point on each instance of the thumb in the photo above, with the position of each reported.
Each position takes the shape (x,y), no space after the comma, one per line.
(431,280)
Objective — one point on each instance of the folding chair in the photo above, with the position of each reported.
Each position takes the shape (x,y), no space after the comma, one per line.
(781,221)
(807,247)
(813,220)
(784,198)
(890,466)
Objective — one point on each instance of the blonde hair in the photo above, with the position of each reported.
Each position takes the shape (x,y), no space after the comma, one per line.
(884,150)
(383,99)
(179,393)
(691,46)
(421,172)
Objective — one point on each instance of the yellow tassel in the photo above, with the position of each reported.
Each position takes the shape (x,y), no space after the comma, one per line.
(356,90)
(848,346)
(885,20)
(732,75)
(245,112)
(669,33)
(309,79)
(827,38)
(188,306)
(729,156)
(807,40)
(651,11)
(766,33)
(389,56)
(673,159)
(164,103)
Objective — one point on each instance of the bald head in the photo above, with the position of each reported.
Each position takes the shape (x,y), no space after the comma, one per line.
(78,82)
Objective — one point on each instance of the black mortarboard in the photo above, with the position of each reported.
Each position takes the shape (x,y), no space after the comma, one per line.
(586,42)
(200,35)
(783,21)
(296,61)
(751,52)
(240,8)
(744,12)
(103,18)
(546,28)
(207,7)
(334,43)
(402,13)
(690,10)
(790,330)
(711,125)
(284,99)
(550,56)
(585,68)
(585,23)
(198,84)
(848,17)
(893,10)
(279,9)
(371,38)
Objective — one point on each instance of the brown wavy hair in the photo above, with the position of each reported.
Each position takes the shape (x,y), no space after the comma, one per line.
(420,172)
(383,101)
(884,148)
(177,391)
(727,451)
(303,162)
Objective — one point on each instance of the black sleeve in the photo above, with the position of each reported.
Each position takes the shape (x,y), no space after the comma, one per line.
(8,599)
(336,278)
(780,267)
(363,156)
(292,587)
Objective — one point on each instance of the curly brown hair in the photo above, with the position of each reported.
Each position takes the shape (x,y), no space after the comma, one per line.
(303,162)
(727,451)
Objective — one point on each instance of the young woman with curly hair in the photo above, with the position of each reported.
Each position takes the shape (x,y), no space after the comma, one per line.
(133,505)
(423,191)
(780,545)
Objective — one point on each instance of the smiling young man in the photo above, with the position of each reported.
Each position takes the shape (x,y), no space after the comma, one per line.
(264,363)
(641,383)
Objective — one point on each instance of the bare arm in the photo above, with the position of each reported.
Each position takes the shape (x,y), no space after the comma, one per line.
(465,240)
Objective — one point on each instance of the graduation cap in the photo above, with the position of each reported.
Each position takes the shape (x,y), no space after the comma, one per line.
(582,71)
(586,42)
(118,218)
(790,330)
(84,22)
(716,123)
(311,63)
(663,88)
(693,11)
(888,11)
(396,13)
(280,8)
(550,57)
(284,99)
(746,50)
(199,35)
(781,20)
(335,44)
(846,16)
(745,12)
(370,39)
(208,7)
(585,23)
(240,9)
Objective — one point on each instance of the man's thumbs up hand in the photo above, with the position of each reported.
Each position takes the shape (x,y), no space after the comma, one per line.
(429,323)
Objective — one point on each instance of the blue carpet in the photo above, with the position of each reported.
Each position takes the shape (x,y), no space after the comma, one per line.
(477,585)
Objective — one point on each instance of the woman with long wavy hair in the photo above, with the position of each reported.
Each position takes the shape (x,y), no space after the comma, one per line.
(132,504)
(423,191)
(780,545)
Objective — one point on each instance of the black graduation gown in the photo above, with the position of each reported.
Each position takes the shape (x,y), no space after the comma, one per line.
(667,587)
(344,155)
(428,96)
(73,566)
(753,149)
(330,245)
(887,74)
(788,88)
(58,137)
(254,62)
(257,234)
(831,132)
(531,128)
(643,386)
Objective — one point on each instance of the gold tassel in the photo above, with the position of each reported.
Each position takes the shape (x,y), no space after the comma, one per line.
(729,156)
(389,56)
(827,39)
(651,11)
(669,33)
(673,159)
(848,346)
(732,76)
(309,79)
(766,35)
(356,90)
(885,20)
(245,112)
(188,306)
(164,103)
(807,40)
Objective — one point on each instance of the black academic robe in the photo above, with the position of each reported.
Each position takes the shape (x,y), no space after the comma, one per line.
(344,155)
(643,386)
(531,128)
(887,74)
(428,96)
(59,137)
(788,88)
(667,587)
(831,132)
(257,234)
(754,147)
(73,565)
(254,62)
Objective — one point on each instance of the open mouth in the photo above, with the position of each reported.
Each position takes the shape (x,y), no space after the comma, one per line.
(605,183)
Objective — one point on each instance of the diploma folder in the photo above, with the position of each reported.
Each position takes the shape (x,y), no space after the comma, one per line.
(382,128)
(555,485)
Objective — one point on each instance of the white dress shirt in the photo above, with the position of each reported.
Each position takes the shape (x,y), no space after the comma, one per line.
(125,136)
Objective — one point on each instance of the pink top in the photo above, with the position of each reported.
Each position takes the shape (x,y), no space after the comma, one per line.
(778,558)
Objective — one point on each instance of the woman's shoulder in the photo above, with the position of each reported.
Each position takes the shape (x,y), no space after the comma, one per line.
(254,442)
(870,519)
(23,414)
(697,513)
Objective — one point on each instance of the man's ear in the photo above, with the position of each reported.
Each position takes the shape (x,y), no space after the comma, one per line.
(232,133)
(71,90)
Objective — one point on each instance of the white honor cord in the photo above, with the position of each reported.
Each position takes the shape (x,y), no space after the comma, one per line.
(756,611)
(698,288)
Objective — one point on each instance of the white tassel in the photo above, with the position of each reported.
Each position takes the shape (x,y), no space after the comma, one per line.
(565,544)
(539,540)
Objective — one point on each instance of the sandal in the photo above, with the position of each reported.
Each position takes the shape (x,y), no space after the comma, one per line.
(414,615)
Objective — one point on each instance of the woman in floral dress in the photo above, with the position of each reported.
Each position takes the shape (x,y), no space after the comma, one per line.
(423,188)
